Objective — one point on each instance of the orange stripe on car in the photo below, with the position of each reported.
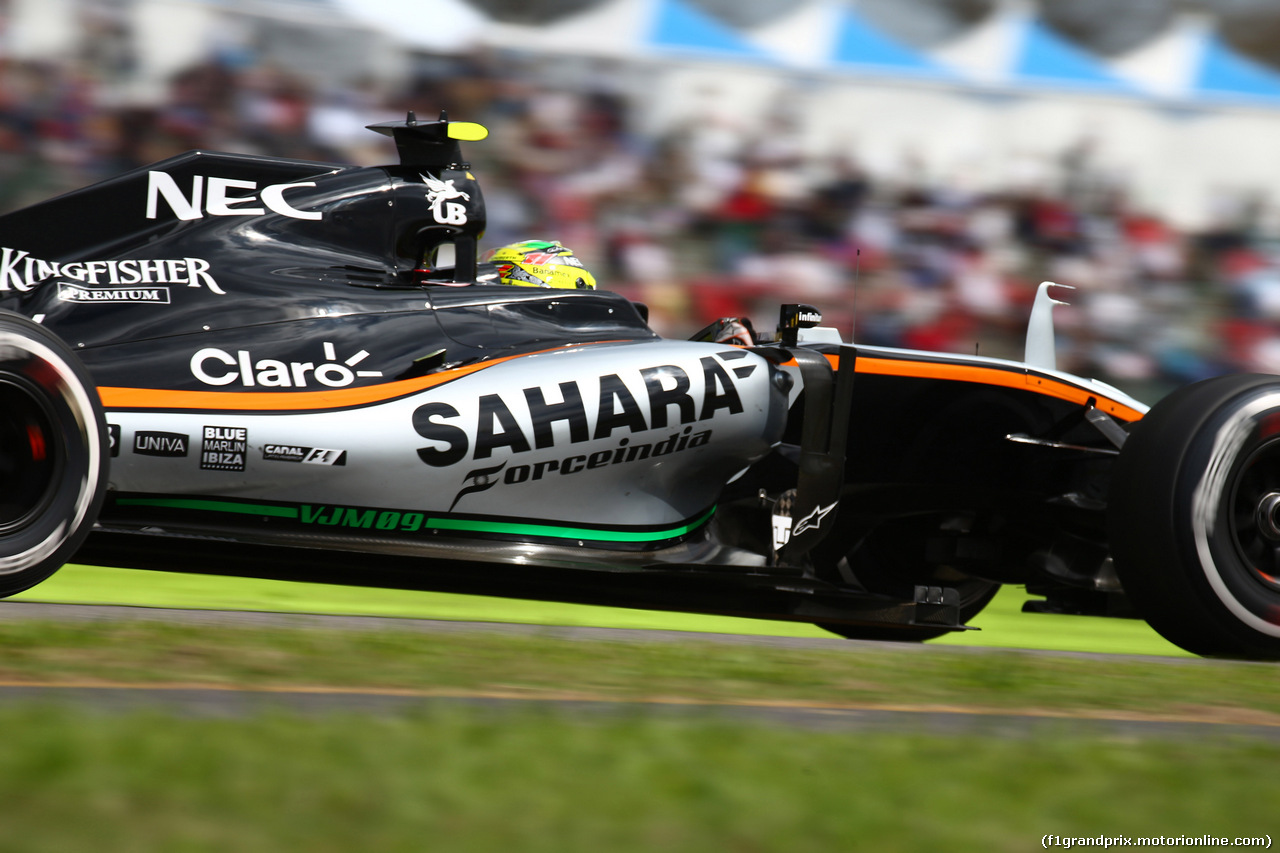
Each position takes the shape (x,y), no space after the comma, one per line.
(991,376)
(155,398)
(288,401)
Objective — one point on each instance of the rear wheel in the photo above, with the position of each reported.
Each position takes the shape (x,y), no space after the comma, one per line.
(53,453)
(1194,517)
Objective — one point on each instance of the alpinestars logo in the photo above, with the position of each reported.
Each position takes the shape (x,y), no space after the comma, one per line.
(214,366)
(785,528)
(813,520)
(444,211)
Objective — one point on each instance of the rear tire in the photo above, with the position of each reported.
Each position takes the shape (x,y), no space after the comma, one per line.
(1194,517)
(54,450)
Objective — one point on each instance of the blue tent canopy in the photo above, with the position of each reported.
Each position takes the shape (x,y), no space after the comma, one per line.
(1225,75)
(1047,59)
(681,27)
(861,46)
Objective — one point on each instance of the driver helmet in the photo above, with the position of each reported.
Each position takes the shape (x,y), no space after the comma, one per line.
(540,263)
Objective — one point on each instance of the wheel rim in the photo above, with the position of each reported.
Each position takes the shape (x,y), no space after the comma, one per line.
(28,455)
(1255,516)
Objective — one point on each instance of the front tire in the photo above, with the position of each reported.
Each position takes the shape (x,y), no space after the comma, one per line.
(1194,517)
(54,449)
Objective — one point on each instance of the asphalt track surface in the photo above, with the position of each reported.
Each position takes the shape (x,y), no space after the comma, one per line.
(206,701)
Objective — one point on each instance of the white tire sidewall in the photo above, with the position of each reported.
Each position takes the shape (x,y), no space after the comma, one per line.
(1228,442)
(73,395)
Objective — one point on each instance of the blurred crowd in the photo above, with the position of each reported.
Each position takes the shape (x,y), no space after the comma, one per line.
(714,219)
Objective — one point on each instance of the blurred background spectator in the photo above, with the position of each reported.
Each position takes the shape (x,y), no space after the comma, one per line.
(680,194)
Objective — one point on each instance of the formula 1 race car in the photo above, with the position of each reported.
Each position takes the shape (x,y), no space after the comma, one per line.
(249,365)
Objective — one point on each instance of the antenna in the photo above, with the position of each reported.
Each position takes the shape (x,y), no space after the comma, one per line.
(853,321)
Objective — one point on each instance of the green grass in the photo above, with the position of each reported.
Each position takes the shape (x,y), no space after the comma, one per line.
(542,666)
(640,777)
(532,782)
(1002,623)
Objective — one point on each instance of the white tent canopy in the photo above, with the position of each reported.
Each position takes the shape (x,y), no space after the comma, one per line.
(1012,97)
(613,28)
(1013,48)
(443,25)
(630,30)
(39,28)
(824,36)
(1189,61)
(1165,64)
(803,38)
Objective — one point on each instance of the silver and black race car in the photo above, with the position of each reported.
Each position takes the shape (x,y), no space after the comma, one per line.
(239,364)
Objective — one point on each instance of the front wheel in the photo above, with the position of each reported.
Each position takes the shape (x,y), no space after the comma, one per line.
(54,449)
(1194,517)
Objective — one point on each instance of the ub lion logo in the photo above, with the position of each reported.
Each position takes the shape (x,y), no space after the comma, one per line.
(444,211)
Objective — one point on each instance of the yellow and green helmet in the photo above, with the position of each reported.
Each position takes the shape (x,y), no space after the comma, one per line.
(540,263)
